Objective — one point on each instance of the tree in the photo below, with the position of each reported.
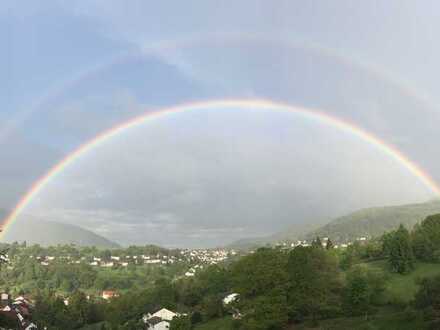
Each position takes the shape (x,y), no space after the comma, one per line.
(329,245)
(180,323)
(211,307)
(314,284)
(259,273)
(261,280)
(349,257)
(426,239)
(363,289)
(317,242)
(428,299)
(51,312)
(266,312)
(397,246)
(81,309)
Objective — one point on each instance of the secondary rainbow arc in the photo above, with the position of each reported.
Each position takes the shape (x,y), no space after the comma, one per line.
(246,104)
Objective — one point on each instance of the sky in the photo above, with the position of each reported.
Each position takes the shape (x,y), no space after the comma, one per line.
(71,70)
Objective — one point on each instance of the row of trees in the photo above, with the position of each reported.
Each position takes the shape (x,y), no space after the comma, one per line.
(403,248)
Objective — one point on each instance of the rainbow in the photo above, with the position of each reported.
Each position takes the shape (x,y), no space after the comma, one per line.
(244,104)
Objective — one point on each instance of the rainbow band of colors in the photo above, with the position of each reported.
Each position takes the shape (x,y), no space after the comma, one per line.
(244,104)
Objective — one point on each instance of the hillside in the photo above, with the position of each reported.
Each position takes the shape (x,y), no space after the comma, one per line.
(370,222)
(375,221)
(47,233)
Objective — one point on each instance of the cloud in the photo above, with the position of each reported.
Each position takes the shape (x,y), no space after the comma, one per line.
(210,177)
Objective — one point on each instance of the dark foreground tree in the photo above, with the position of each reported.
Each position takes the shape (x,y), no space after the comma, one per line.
(363,289)
(426,239)
(398,248)
(261,280)
(427,299)
(181,323)
(314,284)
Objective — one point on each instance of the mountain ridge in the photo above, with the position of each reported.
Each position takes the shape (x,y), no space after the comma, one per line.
(47,233)
(375,221)
(370,222)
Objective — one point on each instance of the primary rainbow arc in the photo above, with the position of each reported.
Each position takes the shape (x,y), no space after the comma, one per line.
(246,104)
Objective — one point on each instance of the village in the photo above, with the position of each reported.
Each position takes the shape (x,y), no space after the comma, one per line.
(323,241)
(197,257)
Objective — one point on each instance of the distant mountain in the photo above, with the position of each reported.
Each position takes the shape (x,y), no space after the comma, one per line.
(371,222)
(375,221)
(249,243)
(47,233)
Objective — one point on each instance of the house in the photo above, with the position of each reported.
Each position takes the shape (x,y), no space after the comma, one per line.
(230,298)
(109,294)
(156,323)
(233,297)
(19,311)
(108,264)
(159,320)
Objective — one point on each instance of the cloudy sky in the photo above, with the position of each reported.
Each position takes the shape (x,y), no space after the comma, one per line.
(71,70)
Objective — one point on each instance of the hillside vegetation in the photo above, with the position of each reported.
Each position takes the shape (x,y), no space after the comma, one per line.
(373,222)
(48,233)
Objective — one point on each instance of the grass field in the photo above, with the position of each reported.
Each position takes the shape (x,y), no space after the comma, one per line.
(385,319)
(402,288)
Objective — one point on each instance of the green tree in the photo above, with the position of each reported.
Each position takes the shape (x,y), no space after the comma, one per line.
(426,239)
(181,323)
(259,273)
(317,242)
(397,246)
(266,312)
(427,299)
(261,280)
(364,288)
(80,309)
(314,284)
(349,257)
(51,312)
(329,245)
(211,307)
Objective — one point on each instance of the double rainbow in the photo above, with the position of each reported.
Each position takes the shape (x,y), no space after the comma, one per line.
(243,104)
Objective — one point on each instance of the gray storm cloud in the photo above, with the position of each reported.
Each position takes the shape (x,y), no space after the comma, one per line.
(210,177)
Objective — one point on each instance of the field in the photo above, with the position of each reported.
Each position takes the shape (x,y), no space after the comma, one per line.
(386,319)
(402,288)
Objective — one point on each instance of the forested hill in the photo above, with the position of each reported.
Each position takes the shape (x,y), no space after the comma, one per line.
(48,233)
(375,221)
